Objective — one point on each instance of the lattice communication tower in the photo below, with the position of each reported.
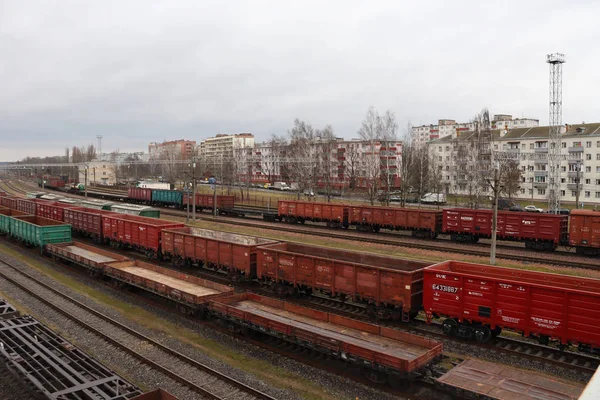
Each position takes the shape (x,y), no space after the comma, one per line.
(555,61)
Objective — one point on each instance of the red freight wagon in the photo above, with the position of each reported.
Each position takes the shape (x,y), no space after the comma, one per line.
(27,206)
(424,223)
(90,257)
(392,287)
(226,251)
(52,210)
(191,292)
(3,194)
(86,221)
(584,231)
(206,201)
(140,195)
(141,233)
(537,230)
(387,353)
(334,214)
(480,300)
(9,202)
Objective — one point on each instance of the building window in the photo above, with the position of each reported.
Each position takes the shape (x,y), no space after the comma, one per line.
(542,191)
(598,170)
(587,181)
(588,169)
(598,143)
(564,145)
(440,149)
(588,144)
(440,158)
(573,193)
(598,156)
(562,180)
(598,195)
(531,145)
(597,181)
(563,169)
(576,144)
(524,146)
(562,193)
(588,156)
(587,193)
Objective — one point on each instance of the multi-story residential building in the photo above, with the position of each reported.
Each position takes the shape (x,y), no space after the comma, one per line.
(223,145)
(349,163)
(174,149)
(425,133)
(456,158)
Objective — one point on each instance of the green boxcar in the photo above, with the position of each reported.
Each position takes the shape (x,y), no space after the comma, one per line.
(6,215)
(135,209)
(38,231)
(167,197)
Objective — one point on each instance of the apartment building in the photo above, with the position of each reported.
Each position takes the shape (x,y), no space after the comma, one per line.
(426,133)
(223,145)
(174,149)
(455,159)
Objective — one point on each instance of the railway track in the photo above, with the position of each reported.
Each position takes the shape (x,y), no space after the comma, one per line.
(507,252)
(197,377)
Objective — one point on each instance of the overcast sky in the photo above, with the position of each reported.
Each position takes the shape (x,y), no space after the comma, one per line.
(137,72)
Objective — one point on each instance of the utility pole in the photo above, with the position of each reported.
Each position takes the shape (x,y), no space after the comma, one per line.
(496,188)
(86,181)
(194,188)
(578,166)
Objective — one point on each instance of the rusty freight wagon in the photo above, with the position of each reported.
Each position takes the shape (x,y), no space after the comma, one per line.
(386,354)
(229,252)
(584,231)
(140,233)
(9,202)
(477,379)
(537,230)
(189,292)
(391,287)
(478,301)
(52,210)
(86,221)
(27,206)
(206,201)
(140,195)
(89,257)
(300,211)
(422,223)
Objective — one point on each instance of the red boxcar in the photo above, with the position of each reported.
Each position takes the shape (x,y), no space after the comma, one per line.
(27,206)
(333,214)
(426,223)
(392,287)
(480,300)
(141,233)
(226,251)
(9,202)
(140,195)
(206,201)
(3,194)
(584,231)
(86,221)
(52,210)
(537,230)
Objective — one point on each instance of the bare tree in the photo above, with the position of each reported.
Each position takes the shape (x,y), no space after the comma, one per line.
(387,153)
(351,164)
(301,149)
(326,158)
(511,176)
(90,152)
(270,163)
(370,131)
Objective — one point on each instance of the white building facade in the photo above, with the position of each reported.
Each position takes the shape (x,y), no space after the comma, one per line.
(580,164)
(445,127)
(223,145)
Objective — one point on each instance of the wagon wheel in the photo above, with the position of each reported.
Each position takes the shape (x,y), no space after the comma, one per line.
(482,334)
(449,326)
(375,376)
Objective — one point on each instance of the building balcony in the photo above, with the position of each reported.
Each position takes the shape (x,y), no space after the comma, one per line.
(540,149)
(576,149)
(540,173)
(574,186)
(574,174)
(540,185)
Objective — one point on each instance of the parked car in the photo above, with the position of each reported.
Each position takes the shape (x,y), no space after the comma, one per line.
(516,207)
(532,208)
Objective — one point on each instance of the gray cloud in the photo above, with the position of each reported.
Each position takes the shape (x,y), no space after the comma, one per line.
(138,72)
